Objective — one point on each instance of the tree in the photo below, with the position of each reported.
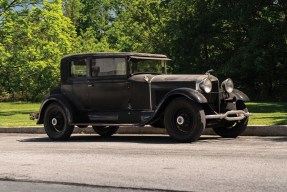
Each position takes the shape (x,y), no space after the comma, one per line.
(72,9)
(34,44)
(260,57)
(5,5)
(125,25)
(87,42)
(136,25)
(242,39)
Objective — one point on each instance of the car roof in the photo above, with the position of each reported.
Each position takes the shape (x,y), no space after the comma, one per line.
(115,54)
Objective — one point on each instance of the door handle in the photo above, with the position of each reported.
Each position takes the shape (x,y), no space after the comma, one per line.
(90,85)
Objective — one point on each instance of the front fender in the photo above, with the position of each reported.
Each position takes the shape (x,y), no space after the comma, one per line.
(239,95)
(190,94)
(62,101)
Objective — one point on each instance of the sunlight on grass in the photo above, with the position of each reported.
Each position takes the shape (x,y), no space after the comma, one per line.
(17,114)
(268,113)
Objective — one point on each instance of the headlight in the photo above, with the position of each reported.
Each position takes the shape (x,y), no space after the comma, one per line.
(206,85)
(227,85)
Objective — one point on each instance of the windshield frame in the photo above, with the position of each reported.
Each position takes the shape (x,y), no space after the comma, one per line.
(133,61)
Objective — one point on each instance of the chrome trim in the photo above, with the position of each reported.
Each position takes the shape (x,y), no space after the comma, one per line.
(150,99)
(240,115)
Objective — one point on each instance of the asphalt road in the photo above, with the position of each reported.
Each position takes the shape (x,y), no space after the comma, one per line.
(146,162)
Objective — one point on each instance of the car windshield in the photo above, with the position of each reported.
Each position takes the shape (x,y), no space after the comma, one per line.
(147,66)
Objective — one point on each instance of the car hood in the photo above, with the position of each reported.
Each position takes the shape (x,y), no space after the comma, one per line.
(170,78)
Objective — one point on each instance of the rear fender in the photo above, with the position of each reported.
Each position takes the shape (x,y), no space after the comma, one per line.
(59,99)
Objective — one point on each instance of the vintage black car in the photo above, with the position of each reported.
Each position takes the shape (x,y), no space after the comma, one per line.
(108,90)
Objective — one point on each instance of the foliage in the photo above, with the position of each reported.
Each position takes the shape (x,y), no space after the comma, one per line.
(242,39)
(245,40)
(136,25)
(32,46)
(87,42)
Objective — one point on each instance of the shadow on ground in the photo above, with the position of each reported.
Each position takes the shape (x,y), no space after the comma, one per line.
(276,139)
(144,139)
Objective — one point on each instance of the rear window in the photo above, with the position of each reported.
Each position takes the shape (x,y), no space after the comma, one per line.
(79,68)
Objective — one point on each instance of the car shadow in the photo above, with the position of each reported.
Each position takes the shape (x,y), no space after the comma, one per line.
(144,139)
(276,139)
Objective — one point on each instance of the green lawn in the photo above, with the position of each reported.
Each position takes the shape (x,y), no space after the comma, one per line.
(268,113)
(15,114)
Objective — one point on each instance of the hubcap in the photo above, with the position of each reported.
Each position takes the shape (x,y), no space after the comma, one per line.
(54,121)
(183,120)
(180,120)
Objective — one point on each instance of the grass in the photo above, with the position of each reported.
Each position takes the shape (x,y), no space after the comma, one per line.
(14,114)
(274,113)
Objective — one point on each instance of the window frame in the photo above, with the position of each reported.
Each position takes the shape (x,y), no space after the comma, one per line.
(80,78)
(107,77)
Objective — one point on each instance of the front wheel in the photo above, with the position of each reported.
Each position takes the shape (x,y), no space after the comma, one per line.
(56,123)
(184,120)
(105,131)
(233,129)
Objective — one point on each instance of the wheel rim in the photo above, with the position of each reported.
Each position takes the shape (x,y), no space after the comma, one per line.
(183,120)
(56,120)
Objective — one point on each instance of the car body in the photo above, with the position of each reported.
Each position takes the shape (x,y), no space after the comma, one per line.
(108,90)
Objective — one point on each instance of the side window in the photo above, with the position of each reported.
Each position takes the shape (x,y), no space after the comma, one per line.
(108,67)
(79,68)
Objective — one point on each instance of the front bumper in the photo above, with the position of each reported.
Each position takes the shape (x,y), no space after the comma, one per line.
(233,115)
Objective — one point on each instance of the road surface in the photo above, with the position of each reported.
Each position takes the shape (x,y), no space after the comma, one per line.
(149,162)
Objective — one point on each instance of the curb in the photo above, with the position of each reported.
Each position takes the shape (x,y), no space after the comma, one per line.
(253,130)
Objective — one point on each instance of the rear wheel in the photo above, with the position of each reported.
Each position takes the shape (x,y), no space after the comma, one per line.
(105,131)
(56,123)
(233,129)
(184,120)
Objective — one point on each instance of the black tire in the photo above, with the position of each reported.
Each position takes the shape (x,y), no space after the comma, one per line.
(105,131)
(56,123)
(233,129)
(184,120)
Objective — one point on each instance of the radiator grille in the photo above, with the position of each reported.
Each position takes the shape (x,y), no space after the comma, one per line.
(213,96)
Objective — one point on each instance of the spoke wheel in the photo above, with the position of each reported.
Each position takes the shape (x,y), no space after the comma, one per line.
(105,131)
(56,123)
(184,120)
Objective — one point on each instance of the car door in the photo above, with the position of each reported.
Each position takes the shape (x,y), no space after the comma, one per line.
(108,90)
(76,88)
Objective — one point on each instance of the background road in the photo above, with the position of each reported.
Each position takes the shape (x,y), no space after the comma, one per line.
(147,161)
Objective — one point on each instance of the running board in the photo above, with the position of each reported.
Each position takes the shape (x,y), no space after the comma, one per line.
(106,124)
